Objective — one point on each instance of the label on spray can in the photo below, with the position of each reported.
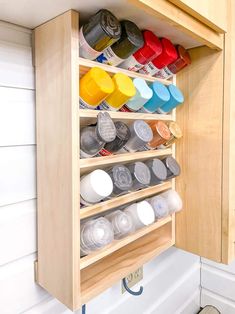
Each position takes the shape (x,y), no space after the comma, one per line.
(164,73)
(125,109)
(132,64)
(146,147)
(144,110)
(86,51)
(149,69)
(84,155)
(109,57)
(105,106)
(84,105)
(103,152)
(124,149)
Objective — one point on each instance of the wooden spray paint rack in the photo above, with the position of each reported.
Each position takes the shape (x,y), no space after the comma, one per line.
(60,270)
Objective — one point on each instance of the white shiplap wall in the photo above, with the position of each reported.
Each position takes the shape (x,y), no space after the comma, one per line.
(171,281)
(218,286)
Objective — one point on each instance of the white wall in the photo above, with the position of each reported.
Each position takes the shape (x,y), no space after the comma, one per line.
(218,285)
(171,281)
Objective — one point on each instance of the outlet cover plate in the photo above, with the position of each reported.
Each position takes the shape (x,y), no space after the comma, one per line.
(133,278)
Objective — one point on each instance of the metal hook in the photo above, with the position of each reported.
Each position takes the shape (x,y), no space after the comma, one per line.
(84,309)
(135,293)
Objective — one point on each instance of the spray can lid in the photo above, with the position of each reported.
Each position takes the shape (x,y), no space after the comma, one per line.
(121,176)
(143,94)
(172,165)
(131,40)
(176,93)
(182,61)
(160,206)
(140,172)
(124,90)
(105,127)
(143,131)
(161,133)
(175,129)
(151,49)
(168,55)
(95,85)
(158,169)
(101,232)
(122,136)
(102,30)
(145,213)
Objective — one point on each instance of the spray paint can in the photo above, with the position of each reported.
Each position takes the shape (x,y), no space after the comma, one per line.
(121,222)
(131,40)
(176,99)
(143,94)
(122,136)
(95,187)
(172,166)
(160,206)
(151,49)
(176,133)
(141,213)
(158,171)
(95,234)
(101,31)
(168,55)
(94,87)
(161,134)
(174,201)
(122,179)
(93,138)
(141,134)
(124,90)
(160,96)
(181,62)
(141,175)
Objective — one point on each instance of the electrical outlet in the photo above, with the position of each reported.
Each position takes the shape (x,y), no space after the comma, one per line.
(133,278)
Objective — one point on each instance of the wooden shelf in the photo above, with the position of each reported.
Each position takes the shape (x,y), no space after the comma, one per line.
(87,164)
(88,116)
(85,65)
(118,244)
(123,199)
(101,275)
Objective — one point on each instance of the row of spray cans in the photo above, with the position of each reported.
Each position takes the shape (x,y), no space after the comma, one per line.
(99,91)
(104,39)
(107,137)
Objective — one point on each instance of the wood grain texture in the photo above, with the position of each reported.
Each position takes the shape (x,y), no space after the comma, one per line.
(228,235)
(88,116)
(123,199)
(118,244)
(56,53)
(164,10)
(103,274)
(87,165)
(198,225)
(85,65)
(214,14)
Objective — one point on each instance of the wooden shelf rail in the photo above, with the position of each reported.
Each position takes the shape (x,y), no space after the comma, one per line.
(117,244)
(100,162)
(123,199)
(85,65)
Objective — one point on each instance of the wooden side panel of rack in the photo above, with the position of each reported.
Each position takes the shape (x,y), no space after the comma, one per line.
(198,226)
(56,53)
(228,239)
